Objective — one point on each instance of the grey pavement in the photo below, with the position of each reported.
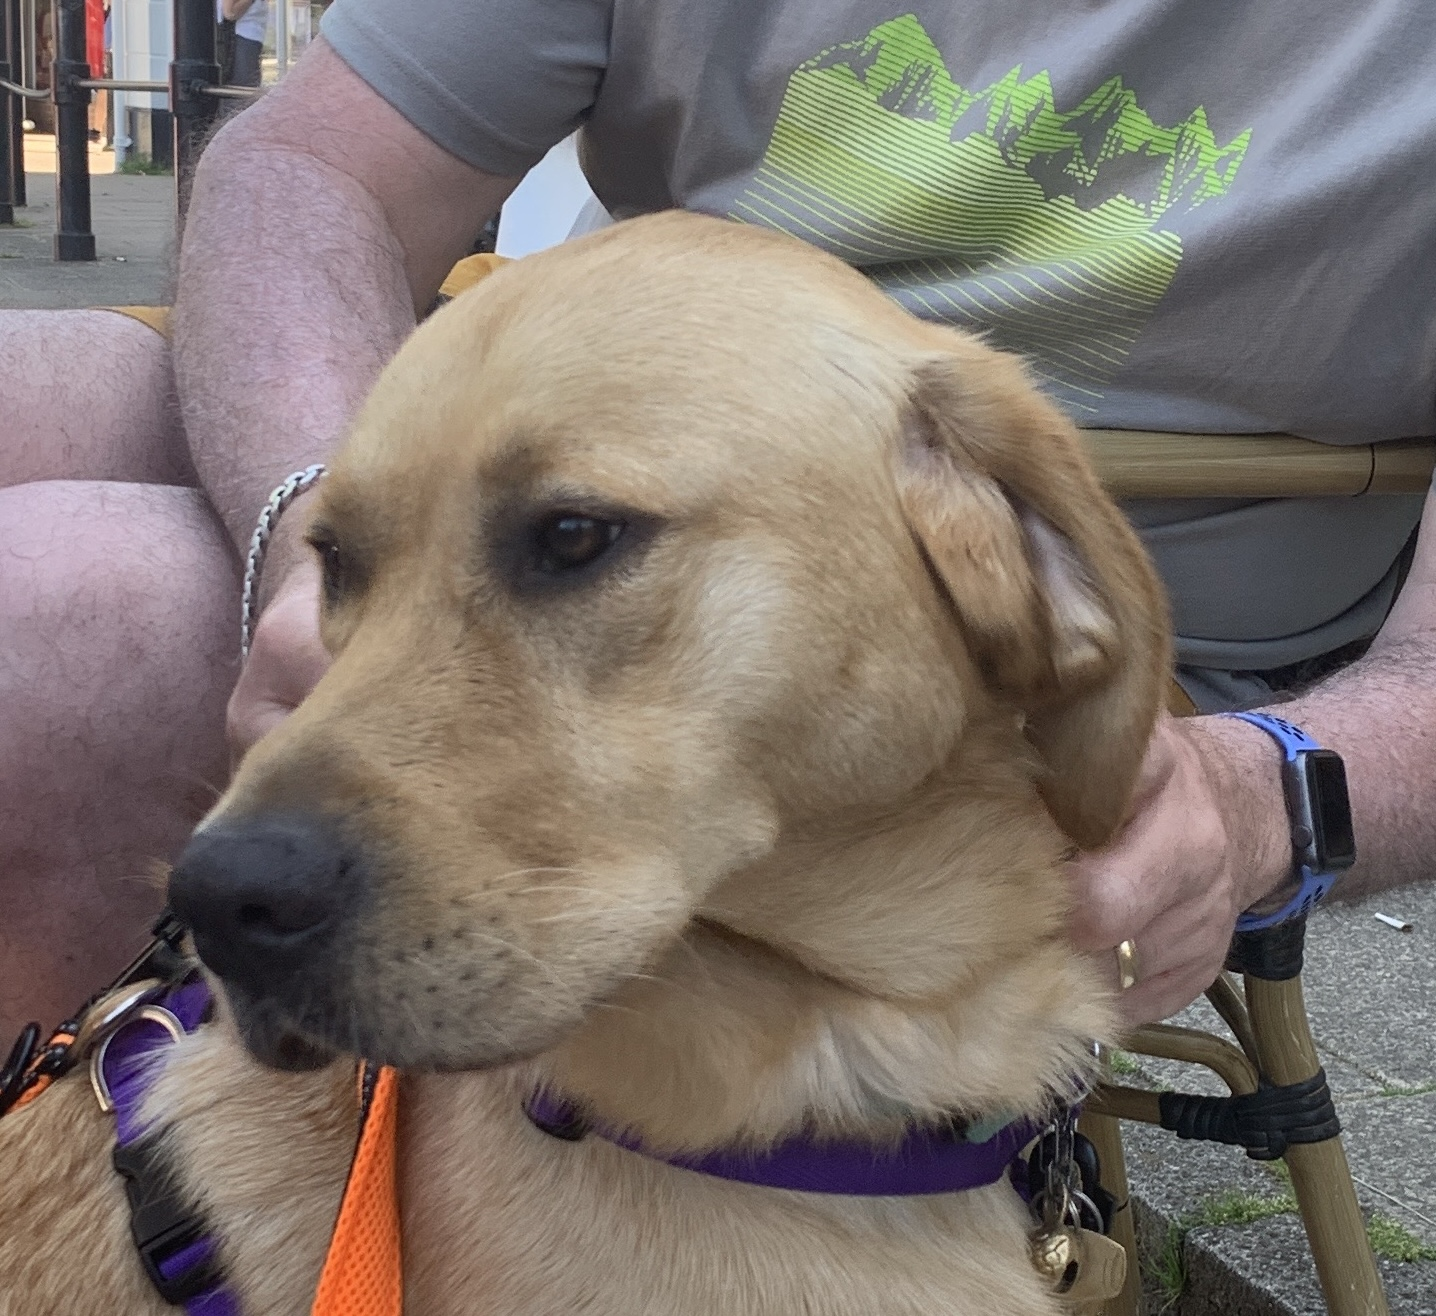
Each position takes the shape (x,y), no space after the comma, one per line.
(1371,990)
(133,221)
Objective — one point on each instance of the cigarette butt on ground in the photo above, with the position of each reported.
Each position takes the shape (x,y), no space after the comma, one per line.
(1400,924)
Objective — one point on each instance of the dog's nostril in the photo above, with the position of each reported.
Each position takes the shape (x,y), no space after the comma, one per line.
(259,893)
(285,916)
(279,919)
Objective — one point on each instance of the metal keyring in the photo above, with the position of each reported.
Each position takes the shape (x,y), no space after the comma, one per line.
(155,1014)
(110,1011)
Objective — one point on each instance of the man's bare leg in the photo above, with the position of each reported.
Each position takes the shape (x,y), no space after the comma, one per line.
(118,606)
(87,395)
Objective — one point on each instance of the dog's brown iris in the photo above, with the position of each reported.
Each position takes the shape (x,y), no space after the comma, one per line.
(567,540)
(331,563)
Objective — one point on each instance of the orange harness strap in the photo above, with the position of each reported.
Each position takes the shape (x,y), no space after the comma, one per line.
(41,1080)
(364,1273)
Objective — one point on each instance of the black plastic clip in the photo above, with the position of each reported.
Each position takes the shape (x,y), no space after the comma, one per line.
(162,1225)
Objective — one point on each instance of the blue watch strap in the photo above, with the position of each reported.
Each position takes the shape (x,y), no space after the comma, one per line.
(1292,739)
(1313,886)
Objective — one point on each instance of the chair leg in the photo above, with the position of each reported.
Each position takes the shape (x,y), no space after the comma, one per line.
(1319,1172)
(1106,1135)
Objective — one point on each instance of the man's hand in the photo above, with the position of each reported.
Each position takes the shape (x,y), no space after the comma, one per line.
(1206,839)
(286,660)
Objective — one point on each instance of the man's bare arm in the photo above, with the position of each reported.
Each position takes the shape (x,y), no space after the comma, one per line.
(1208,836)
(320,220)
(1380,715)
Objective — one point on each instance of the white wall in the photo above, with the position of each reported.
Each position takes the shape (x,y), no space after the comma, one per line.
(143,38)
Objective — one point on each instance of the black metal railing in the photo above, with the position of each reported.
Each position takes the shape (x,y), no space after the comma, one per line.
(195,97)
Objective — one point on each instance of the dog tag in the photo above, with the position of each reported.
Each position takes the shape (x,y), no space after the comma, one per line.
(1101,1268)
(1055,1256)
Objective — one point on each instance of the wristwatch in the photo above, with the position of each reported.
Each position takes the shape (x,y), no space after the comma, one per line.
(1322,840)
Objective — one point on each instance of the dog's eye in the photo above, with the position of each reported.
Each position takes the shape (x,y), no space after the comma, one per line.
(566,540)
(331,563)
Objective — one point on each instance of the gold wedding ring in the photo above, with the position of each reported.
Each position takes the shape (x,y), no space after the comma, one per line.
(1127,964)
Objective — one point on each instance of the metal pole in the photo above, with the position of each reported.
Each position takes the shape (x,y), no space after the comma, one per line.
(74,239)
(21,72)
(281,36)
(10,108)
(195,67)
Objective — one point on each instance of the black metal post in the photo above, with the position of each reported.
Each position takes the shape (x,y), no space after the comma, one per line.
(18,115)
(74,239)
(10,106)
(195,66)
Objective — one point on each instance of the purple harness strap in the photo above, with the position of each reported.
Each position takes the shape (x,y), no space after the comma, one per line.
(179,1257)
(925,1161)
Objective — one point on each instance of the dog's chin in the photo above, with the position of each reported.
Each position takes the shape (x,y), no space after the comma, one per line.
(278,1041)
(274,1043)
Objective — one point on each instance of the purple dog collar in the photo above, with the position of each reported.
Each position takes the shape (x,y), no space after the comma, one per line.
(925,1161)
(177,1253)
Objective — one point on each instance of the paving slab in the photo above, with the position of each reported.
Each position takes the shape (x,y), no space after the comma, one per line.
(1389,1143)
(133,220)
(1346,1080)
(1371,991)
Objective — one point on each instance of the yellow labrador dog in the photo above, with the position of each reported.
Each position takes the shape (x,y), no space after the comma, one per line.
(724,663)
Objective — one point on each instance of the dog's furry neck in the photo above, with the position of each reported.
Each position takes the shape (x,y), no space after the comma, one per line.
(854,980)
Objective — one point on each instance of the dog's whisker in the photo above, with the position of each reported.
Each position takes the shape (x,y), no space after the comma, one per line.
(532,872)
(656,913)
(611,898)
(615,1008)
(542,965)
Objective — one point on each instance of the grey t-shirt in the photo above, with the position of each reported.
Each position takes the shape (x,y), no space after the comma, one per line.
(1199,217)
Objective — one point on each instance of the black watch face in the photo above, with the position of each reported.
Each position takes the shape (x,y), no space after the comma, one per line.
(1330,810)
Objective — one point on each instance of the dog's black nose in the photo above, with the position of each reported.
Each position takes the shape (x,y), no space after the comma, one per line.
(261,897)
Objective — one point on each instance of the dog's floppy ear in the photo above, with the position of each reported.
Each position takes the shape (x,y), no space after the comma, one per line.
(1059,605)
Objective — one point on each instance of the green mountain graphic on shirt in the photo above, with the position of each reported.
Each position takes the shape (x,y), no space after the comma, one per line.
(1053,231)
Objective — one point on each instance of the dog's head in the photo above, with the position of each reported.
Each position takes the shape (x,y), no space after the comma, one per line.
(647,552)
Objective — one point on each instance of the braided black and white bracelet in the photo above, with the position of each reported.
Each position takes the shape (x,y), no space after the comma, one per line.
(273,509)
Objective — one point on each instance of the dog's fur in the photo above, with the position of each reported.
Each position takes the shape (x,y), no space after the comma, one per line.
(754,825)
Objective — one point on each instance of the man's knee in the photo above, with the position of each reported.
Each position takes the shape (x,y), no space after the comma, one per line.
(87,395)
(119,612)
(119,607)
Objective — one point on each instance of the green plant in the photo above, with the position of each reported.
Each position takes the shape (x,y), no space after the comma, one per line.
(142,164)
(1121,1063)
(1280,1171)
(1396,1242)
(1407,1090)
(1235,1207)
(1166,1269)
